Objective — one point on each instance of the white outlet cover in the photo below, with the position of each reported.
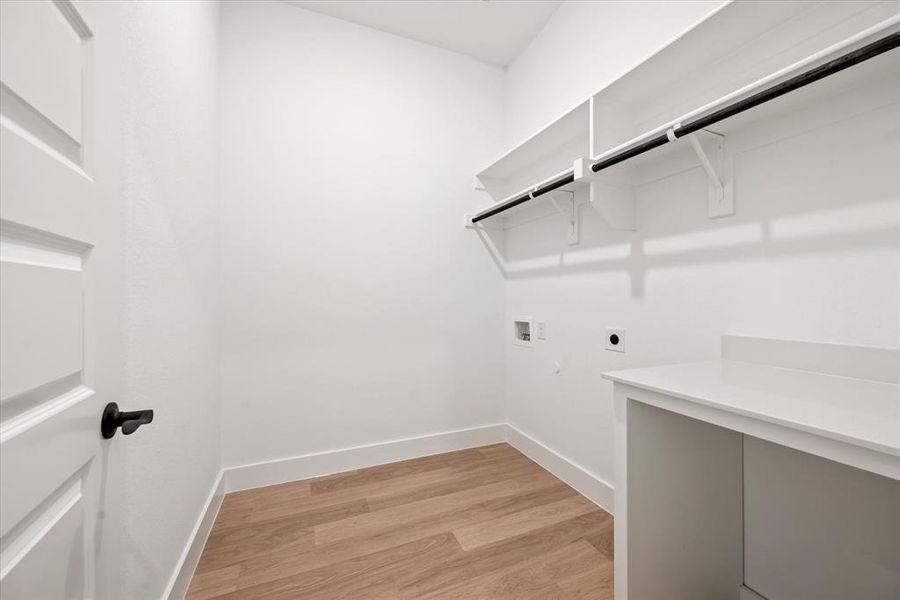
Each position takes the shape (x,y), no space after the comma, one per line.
(619,334)
(541,329)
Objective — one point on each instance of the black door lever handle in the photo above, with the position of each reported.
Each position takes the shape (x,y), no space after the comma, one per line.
(113,418)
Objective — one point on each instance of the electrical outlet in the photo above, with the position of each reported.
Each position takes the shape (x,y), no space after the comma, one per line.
(541,329)
(615,339)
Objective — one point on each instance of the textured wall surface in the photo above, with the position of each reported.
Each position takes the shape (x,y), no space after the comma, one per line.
(170,198)
(583,47)
(357,309)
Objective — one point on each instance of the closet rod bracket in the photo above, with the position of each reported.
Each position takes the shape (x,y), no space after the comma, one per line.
(569,212)
(721,199)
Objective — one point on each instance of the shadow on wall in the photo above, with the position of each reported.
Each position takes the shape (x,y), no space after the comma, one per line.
(803,185)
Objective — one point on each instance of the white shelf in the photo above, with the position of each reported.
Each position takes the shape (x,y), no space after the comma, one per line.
(738,50)
(866,86)
(546,153)
(736,47)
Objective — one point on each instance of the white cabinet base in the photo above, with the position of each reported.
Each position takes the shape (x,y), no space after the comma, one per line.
(682,438)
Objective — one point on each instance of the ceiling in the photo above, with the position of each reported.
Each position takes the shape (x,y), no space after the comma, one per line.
(491,31)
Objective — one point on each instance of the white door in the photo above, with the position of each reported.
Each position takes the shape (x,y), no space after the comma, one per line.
(59,293)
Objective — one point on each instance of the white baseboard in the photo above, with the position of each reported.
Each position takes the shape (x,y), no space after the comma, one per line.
(584,482)
(261,474)
(190,556)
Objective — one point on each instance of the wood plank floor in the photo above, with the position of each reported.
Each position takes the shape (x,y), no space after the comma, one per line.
(483,523)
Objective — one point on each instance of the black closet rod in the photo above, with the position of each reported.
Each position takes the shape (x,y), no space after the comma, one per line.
(566,180)
(831,67)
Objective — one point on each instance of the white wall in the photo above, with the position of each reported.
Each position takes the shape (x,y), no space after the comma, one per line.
(584,46)
(811,254)
(161,476)
(356,307)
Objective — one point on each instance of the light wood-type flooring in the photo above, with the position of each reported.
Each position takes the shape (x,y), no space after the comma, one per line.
(483,523)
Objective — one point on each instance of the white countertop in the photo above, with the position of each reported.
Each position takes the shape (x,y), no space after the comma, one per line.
(856,411)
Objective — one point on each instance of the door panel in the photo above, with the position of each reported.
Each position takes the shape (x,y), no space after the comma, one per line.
(50,102)
(55,537)
(43,449)
(54,279)
(41,310)
(31,31)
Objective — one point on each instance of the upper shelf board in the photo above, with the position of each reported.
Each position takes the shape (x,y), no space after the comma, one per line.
(863,88)
(729,49)
(731,54)
(549,151)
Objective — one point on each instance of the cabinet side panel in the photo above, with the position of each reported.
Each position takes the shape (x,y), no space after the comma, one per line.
(684,507)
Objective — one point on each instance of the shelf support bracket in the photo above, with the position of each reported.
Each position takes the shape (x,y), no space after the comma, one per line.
(611,198)
(569,213)
(721,197)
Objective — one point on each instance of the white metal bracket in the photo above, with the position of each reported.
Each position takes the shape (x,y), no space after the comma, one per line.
(611,198)
(569,212)
(721,194)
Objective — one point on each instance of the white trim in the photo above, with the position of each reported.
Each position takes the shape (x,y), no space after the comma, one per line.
(587,484)
(37,530)
(38,238)
(13,252)
(41,413)
(74,18)
(190,556)
(272,472)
